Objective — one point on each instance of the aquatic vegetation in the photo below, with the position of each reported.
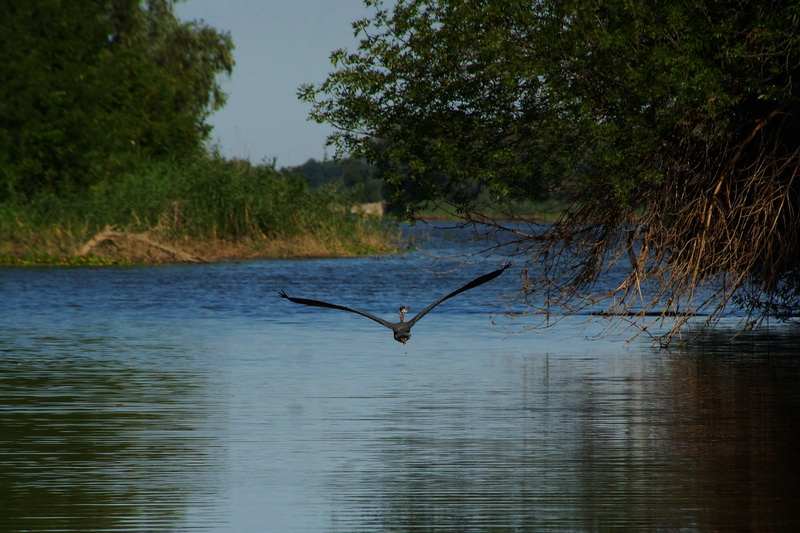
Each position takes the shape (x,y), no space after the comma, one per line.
(208,207)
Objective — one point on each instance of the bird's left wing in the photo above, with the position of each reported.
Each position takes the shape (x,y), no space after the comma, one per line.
(471,285)
(317,303)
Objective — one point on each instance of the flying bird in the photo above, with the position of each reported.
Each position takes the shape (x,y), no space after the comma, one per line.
(402,329)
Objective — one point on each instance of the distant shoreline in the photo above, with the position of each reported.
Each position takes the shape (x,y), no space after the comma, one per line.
(113,247)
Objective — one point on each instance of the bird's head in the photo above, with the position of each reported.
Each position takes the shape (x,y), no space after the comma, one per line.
(403,310)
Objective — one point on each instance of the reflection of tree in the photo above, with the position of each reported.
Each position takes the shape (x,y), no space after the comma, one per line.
(89,442)
(735,410)
(585,444)
(551,448)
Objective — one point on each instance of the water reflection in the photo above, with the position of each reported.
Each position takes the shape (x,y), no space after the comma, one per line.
(737,406)
(533,446)
(586,443)
(98,434)
(192,399)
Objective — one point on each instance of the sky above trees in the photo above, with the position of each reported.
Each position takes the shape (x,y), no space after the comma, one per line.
(280,45)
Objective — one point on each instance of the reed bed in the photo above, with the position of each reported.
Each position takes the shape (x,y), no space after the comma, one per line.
(211,208)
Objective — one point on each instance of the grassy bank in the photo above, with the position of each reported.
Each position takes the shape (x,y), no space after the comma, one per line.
(210,209)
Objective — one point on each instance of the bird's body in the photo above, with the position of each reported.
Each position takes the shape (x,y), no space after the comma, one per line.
(402,329)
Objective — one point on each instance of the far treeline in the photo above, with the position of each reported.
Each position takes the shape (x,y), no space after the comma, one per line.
(356,176)
(671,130)
(364,183)
(103,109)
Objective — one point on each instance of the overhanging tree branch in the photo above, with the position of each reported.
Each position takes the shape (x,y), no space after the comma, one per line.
(670,134)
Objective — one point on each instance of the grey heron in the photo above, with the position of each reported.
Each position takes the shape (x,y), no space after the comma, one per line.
(402,329)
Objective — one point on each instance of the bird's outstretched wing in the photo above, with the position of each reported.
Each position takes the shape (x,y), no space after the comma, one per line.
(317,303)
(471,285)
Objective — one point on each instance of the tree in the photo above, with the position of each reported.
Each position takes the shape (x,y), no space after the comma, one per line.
(672,129)
(352,175)
(88,86)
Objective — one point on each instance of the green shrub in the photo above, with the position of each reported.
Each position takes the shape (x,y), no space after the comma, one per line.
(199,199)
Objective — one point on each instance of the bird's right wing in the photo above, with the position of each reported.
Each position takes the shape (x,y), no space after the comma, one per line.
(317,303)
(471,285)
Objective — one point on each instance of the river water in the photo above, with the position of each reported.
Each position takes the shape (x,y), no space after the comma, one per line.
(193,398)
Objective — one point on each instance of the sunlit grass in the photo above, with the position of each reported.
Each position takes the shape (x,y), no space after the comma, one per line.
(50,260)
(211,208)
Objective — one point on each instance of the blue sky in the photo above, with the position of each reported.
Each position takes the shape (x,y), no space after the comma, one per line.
(280,44)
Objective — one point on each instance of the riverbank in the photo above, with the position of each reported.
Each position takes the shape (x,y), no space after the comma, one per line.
(200,210)
(111,246)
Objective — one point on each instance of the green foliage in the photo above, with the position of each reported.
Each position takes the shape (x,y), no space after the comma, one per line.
(103,109)
(223,208)
(679,117)
(357,177)
(88,87)
(204,198)
(525,96)
(62,261)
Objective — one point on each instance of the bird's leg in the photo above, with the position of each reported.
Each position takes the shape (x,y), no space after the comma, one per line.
(403,310)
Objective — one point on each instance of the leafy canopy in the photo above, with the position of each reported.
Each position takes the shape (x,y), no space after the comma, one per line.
(87,86)
(669,129)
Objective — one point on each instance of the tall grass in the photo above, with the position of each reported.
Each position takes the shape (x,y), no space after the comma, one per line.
(200,201)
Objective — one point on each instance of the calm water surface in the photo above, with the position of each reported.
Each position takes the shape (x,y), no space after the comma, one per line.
(191,398)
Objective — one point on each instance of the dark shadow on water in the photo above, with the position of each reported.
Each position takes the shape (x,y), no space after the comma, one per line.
(96,436)
(705,440)
(782,339)
(737,420)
